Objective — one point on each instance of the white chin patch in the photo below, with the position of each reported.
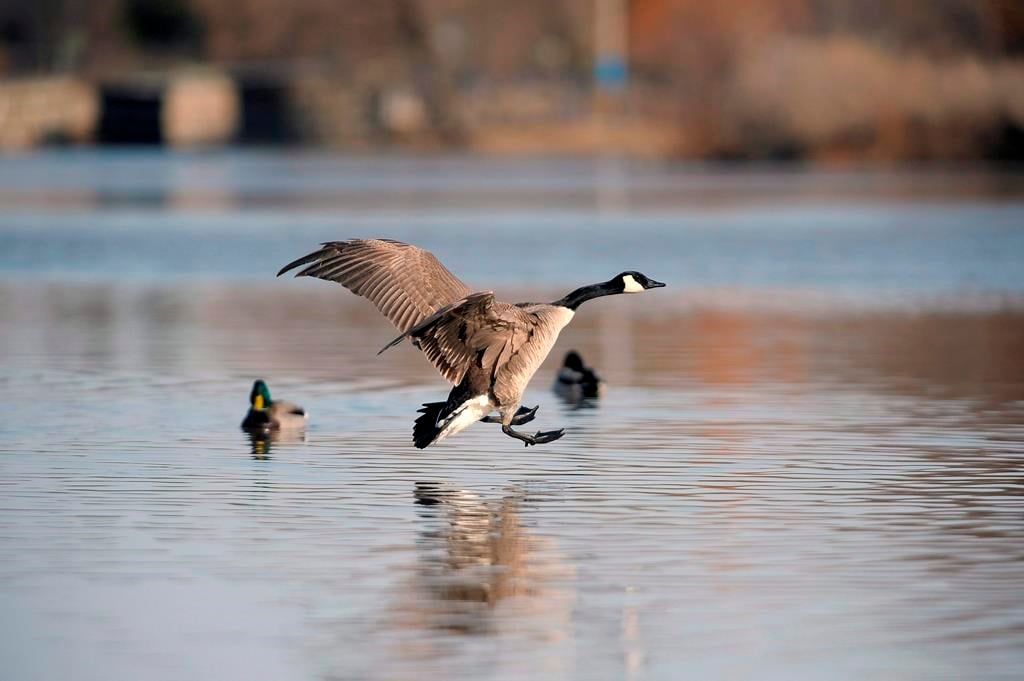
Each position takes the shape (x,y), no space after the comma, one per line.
(631,285)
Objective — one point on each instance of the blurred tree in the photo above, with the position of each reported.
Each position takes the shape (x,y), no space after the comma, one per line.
(940,27)
(163,25)
(1009,18)
(30,34)
(429,74)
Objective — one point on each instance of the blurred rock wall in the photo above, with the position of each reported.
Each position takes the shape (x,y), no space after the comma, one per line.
(199,109)
(816,79)
(36,111)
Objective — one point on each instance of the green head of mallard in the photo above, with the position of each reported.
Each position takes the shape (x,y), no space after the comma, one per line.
(259,397)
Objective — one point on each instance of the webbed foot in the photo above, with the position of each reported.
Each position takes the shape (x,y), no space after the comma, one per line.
(538,438)
(523,415)
(546,436)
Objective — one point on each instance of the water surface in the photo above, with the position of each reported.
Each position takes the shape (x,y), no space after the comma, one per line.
(808,463)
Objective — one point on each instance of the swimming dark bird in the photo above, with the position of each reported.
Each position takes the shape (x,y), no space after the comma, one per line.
(576,381)
(488,349)
(267,414)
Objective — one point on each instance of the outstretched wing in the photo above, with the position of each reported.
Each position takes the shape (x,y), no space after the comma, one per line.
(474,331)
(406,283)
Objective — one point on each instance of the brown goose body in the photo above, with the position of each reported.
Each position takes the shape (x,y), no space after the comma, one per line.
(488,349)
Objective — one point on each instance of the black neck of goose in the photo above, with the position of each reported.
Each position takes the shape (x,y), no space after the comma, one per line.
(585,293)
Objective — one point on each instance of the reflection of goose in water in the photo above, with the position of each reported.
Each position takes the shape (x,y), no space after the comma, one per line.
(576,381)
(262,441)
(489,350)
(480,569)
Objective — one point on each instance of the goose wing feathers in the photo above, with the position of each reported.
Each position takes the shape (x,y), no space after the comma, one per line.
(406,283)
(476,331)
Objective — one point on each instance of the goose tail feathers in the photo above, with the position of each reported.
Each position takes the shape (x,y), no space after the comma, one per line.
(425,430)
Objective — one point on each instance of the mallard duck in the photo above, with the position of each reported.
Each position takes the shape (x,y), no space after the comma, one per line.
(576,381)
(488,349)
(267,414)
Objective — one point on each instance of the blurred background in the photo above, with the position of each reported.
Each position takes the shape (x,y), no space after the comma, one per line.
(824,80)
(807,461)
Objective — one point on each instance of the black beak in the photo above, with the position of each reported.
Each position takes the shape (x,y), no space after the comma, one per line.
(654,284)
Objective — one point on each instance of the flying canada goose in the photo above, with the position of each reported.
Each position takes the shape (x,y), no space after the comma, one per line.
(489,350)
(267,414)
(576,381)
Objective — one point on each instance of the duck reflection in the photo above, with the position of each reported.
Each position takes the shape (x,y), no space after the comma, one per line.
(261,442)
(475,555)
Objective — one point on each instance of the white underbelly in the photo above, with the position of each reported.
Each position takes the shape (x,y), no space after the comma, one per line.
(468,413)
